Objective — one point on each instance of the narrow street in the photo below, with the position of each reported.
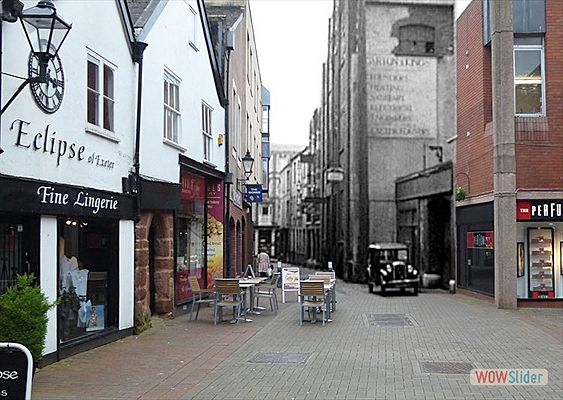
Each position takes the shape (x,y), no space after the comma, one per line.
(351,358)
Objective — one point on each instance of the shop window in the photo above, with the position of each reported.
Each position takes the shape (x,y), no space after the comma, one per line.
(190,236)
(17,251)
(100,93)
(172,116)
(88,252)
(416,40)
(206,112)
(529,84)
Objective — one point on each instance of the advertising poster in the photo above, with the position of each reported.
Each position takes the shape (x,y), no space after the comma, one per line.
(96,319)
(214,230)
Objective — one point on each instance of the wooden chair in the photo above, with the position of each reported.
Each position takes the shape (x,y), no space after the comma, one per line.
(228,294)
(197,295)
(312,295)
(268,290)
(326,277)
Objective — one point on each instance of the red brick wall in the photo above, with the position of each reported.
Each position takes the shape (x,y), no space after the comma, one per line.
(539,149)
(474,158)
(539,141)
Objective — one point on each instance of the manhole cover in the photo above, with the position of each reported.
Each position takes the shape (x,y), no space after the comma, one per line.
(389,320)
(430,367)
(280,358)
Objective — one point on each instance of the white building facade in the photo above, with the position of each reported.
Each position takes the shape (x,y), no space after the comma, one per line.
(67,145)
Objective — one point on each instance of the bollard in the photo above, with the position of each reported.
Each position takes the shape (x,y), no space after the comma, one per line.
(452,286)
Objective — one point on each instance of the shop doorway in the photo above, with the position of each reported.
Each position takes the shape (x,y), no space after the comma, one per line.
(439,243)
(152,285)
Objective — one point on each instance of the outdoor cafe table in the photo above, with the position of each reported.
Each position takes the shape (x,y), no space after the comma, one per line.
(250,283)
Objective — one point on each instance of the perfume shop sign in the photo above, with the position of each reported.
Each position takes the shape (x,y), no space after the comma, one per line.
(49,198)
(539,210)
(46,141)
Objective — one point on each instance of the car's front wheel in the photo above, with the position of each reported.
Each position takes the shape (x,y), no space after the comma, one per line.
(382,290)
(415,290)
(370,287)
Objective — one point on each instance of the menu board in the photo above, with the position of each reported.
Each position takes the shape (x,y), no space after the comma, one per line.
(290,280)
(540,263)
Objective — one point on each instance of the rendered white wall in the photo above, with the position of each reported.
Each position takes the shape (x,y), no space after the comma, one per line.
(168,48)
(108,39)
(126,273)
(48,276)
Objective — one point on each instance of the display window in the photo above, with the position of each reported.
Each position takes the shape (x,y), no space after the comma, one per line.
(87,279)
(18,249)
(190,236)
(481,261)
(541,263)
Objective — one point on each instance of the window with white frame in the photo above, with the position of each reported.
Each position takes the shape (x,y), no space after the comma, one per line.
(206,112)
(236,120)
(192,38)
(172,116)
(100,93)
(529,81)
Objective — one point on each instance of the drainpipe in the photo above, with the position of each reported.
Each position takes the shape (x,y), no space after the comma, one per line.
(138,49)
(229,178)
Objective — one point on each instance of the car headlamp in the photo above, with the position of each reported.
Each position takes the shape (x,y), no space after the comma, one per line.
(414,272)
(409,268)
(389,268)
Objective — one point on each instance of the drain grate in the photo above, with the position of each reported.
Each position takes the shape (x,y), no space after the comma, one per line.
(280,358)
(430,367)
(389,320)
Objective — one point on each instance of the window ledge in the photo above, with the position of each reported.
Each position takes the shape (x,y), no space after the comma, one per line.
(104,133)
(175,145)
(192,45)
(209,163)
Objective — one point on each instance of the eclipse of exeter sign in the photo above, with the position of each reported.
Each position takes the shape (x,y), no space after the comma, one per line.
(47,142)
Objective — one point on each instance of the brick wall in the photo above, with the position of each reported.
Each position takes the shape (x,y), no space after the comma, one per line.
(474,158)
(539,141)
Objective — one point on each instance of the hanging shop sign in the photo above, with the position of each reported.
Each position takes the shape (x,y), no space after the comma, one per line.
(47,142)
(50,198)
(539,210)
(480,240)
(253,194)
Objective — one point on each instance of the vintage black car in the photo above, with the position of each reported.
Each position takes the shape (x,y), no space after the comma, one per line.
(388,267)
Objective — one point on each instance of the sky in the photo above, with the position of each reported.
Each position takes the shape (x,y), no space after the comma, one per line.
(291,40)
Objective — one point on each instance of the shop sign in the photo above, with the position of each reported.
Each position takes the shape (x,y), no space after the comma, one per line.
(49,198)
(47,142)
(192,187)
(539,210)
(253,194)
(480,240)
(16,366)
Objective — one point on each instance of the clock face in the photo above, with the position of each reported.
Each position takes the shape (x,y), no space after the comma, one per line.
(48,95)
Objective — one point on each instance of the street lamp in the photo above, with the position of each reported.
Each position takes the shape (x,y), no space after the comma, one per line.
(45,31)
(247,163)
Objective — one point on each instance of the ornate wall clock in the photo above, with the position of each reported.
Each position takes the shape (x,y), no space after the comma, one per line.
(48,95)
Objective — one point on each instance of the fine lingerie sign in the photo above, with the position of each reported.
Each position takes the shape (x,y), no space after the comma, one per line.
(539,210)
(50,198)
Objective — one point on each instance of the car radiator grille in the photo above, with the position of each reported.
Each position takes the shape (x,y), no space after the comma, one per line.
(399,272)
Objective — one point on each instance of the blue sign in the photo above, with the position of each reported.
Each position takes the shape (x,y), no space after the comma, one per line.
(253,194)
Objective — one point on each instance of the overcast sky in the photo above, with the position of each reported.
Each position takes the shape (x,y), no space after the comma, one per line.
(291,36)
